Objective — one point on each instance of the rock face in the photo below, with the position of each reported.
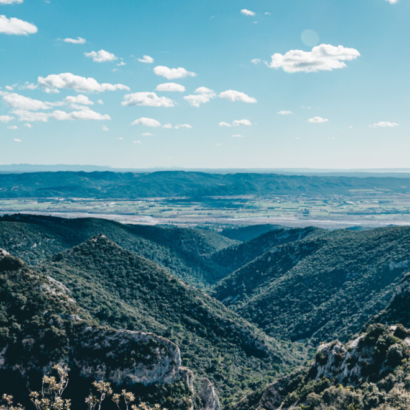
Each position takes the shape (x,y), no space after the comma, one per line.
(209,396)
(41,325)
(126,358)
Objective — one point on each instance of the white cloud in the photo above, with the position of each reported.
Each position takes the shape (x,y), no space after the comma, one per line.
(16,140)
(256,61)
(78,40)
(284,112)
(233,95)
(167,126)
(147,134)
(224,124)
(121,63)
(136,142)
(79,99)
(171,87)
(237,136)
(384,124)
(28,125)
(13,127)
(101,102)
(11,1)
(196,100)
(9,87)
(147,99)
(393,1)
(237,123)
(14,26)
(24,103)
(247,12)
(75,82)
(147,122)
(105,128)
(146,60)
(177,127)
(101,56)
(205,91)
(6,118)
(317,120)
(322,58)
(267,13)
(172,73)
(84,114)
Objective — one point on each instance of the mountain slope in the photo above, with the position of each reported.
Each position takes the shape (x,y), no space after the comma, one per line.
(237,256)
(123,290)
(41,325)
(179,183)
(247,233)
(321,287)
(372,371)
(184,252)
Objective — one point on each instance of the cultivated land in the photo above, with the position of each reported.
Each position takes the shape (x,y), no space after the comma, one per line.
(365,208)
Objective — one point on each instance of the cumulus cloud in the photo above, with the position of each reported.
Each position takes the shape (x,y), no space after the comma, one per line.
(84,114)
(101,56)
(178,126)
(202,95)
(18,101)
(28,125)
(284,112)
(105,128)
(146,60)
(14,26)
(317,120)
(147,122)
(170,87)
(247,12)
(167,126)
(78,40)
(385,124)
(6,118)
(75,82)
(233,96)
(224,124)
(79,99)
(11,1)
(256,61)
(237,123)
(147,99)
(172,73)
(322,58)
(101,102)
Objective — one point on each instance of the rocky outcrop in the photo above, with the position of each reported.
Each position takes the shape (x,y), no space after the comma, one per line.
(41,325)
(209,397)
(126,358)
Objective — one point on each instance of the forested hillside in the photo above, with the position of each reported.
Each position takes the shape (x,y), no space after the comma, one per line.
(179,183)
(125,291)
(321,287)
(184,252)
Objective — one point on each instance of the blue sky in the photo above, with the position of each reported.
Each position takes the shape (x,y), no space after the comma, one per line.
(296,83)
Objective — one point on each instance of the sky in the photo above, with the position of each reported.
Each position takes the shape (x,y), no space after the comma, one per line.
(205,83)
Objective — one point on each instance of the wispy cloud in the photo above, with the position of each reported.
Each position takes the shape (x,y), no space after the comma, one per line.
(284,112)
(247,12)
(317,120)
(78,40)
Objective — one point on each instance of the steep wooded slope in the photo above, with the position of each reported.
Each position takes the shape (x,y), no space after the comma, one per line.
(322,287)
(41,325)
(184,252)
(123,290)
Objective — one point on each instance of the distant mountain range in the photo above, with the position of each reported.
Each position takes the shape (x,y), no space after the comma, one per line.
(382,172)
(111,185)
